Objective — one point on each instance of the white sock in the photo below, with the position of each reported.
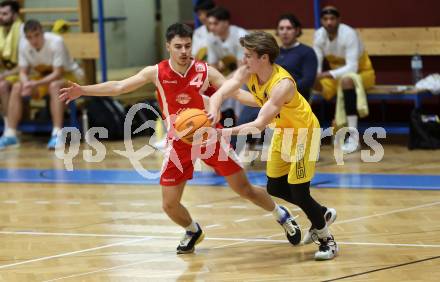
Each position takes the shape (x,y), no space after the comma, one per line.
(323,233)
(9,132)
(352,121)
(56,131)
(278,212)
(192,227)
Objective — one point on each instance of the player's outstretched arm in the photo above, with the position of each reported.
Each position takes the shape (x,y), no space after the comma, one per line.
(281,94)
(109,88)
(227,89)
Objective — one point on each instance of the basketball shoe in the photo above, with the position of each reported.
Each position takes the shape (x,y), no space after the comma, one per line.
(293,232)
(328,249)
(189,240)
(329,216)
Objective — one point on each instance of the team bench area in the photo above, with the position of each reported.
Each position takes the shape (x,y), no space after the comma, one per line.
(392,42)
(81,46)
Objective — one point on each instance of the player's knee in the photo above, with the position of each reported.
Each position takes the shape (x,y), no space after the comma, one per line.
(275,185)
(347,83)
(244,189)
(169,205)
(4,85)
(16,89)
(299,192)
(54,87)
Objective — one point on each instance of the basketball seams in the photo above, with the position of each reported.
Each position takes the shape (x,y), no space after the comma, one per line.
(190,117)
(193,131)
(194,120)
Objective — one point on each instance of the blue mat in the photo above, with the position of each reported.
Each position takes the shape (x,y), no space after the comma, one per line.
(321,180)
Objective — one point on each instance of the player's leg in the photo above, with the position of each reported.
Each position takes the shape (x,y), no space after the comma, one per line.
(15,111)
(277,186)
(5,89)
(57,111)
(241,185)
(328,248)
(351,144)
(171,196)
(239,182)
(328,87)
(302,170)
(367,77)
(178,168)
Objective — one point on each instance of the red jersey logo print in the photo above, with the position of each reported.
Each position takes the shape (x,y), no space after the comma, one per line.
(183,98)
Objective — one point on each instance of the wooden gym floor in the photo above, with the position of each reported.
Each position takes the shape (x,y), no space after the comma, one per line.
(118,232)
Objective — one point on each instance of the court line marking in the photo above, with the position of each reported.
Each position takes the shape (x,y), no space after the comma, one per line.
(161,275)
(346,221)
(136,204)
(242,220)
(387,213)
(139,237)
(105,203)
(212,226)
(10,202)
(172,275)
(241,240)
(238,207)
(73,253)
(204,206)
(101,270)
(42,202)
(382,268)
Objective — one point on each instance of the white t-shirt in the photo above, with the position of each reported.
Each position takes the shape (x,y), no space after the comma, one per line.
(347,45)
(53,54)
(199,39)
(218,49)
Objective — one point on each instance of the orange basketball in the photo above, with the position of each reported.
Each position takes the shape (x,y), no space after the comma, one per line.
(187,123)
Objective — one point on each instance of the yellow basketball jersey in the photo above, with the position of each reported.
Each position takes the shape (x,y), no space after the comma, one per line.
(295,114)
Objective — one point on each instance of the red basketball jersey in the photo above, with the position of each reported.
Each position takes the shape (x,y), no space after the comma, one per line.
(177,92)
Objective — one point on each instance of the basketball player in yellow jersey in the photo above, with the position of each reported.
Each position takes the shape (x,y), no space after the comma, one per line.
(292,156)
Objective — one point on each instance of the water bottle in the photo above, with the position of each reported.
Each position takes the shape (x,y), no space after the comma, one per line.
(417,68)
(85,123)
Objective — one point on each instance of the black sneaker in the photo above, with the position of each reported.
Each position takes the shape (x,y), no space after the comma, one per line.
(328,249)
(293,232)
(189,240)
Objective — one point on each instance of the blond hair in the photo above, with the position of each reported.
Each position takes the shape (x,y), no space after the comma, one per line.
(261,43)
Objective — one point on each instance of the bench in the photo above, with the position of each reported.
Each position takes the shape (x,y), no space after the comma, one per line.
(83,45)
(402,41)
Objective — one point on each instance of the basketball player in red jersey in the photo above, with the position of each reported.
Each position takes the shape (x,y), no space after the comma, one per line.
(181,82)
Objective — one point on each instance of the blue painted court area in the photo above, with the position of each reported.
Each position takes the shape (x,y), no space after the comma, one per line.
(121,177)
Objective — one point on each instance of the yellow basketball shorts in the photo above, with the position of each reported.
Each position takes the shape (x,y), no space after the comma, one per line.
(294,155)
(44,89)
(12,78)
(330,85)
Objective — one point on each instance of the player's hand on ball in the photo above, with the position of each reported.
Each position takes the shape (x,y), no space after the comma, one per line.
(214,117)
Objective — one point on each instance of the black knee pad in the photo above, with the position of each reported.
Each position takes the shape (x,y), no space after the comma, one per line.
(278,187)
